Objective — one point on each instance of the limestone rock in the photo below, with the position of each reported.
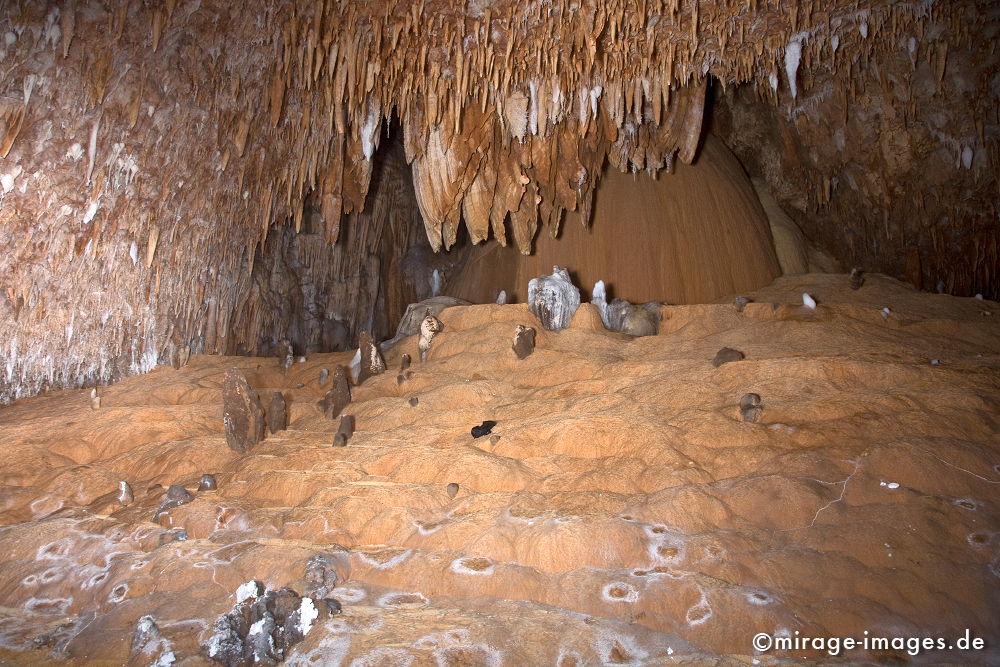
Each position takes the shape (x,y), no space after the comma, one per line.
(372,362)
(344,431)
(750,408)
(339,395)
(430,327)
(725,355)
(261,626)
(179,494)
(286,355)
(409,324)
(277,413)
(624,317)
(553,299)
(242,413)
(125,495)
(524,341)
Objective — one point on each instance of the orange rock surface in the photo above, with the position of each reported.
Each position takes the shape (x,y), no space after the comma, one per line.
(620,511)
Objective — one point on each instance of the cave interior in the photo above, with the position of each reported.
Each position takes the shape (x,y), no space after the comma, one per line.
(198,188)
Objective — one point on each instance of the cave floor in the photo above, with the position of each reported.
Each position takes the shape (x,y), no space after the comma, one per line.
(620,511)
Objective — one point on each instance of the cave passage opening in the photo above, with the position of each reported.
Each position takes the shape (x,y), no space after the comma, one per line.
(692,233)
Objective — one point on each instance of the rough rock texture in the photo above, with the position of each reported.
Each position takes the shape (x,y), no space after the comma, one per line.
(372,362)
(553,299)
(523,343)
(149,150)
(414,316)
(430,327)
(261,627)
(627,510)
(242,413)
(277,412)
(338,396)
(323,295)
(896,169)
(691,236)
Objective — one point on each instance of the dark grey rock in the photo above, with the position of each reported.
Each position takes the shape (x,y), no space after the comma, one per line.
(344,431)
(726,355)
(857,278)
(277,413)
(339,395)
(553,299)
(483,429)
(242,414)
(178,493)
(524,341)
(751,409)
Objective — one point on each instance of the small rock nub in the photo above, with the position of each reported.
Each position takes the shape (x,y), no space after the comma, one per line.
(125,495)
(750,408)
(726,355)
(178,493)
(523,343)
(857,279)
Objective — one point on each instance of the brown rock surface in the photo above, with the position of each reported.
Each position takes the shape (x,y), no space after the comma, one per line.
(372,362)
(242,413)
(626,513)
(693,236)
(277,412)
(339,394)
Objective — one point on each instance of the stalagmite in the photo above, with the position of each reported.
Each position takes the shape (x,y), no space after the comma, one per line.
(553,299)
(243,415)
(277,413)
(523,343)
(372,362)
(212,205)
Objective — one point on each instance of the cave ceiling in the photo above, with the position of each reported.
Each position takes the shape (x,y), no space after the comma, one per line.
(163,140)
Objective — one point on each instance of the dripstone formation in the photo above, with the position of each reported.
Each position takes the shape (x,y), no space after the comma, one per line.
(243,415)
(372,362)
(430,327)
(523,343)
(553,299)
(339,394)
(277,413)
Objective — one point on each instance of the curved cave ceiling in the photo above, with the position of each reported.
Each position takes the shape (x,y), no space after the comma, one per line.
(151,153)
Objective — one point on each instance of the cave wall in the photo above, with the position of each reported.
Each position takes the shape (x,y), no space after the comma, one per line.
(148,149)
(896,172)
(691,236)
(320,296)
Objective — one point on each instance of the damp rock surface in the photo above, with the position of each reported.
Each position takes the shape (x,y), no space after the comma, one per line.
(627,514)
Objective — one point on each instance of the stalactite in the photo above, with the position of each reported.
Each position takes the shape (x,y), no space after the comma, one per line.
(232,116)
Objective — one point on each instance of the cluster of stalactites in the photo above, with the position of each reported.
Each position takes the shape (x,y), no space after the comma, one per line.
(510,109)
